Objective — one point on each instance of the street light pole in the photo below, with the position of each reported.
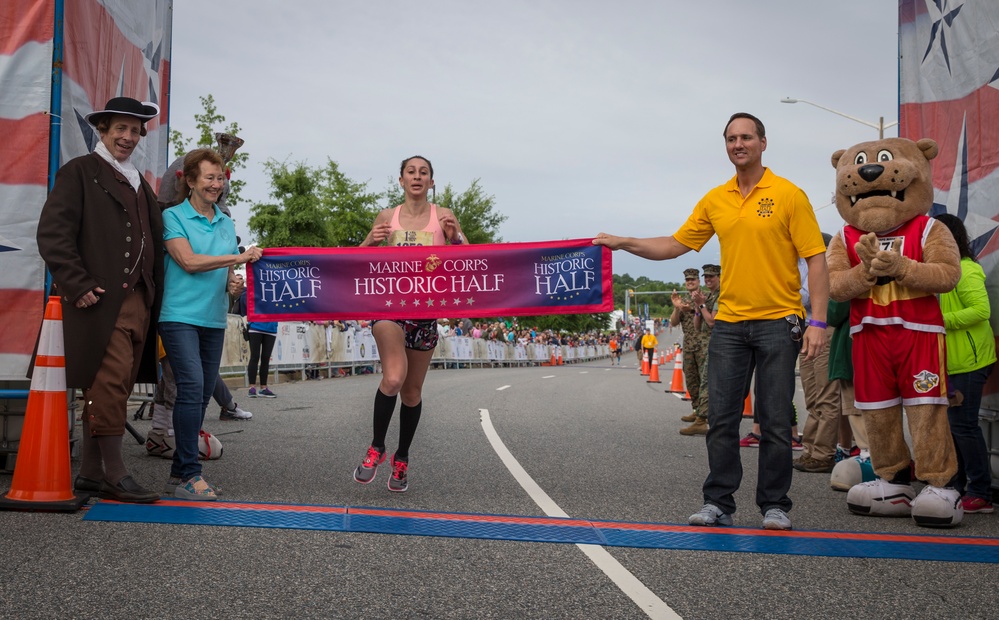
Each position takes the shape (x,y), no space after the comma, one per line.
(880,125)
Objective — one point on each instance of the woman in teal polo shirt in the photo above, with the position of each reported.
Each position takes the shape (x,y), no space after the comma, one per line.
(201,251)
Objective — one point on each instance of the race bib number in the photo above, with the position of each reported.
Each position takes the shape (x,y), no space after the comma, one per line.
(411,237)
(886,243)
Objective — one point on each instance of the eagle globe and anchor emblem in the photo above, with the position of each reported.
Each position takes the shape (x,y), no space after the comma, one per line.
(925,381)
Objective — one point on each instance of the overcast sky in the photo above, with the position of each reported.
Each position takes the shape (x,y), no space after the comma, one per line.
(577,116)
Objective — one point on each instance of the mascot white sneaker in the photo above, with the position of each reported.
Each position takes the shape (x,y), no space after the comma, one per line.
(879,498)
(937,507)
(852,471)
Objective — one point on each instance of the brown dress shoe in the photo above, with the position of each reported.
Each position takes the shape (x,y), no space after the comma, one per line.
(127,490)
(814,466)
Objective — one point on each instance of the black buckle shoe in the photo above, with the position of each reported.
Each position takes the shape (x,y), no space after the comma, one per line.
(127,490)
(86,485)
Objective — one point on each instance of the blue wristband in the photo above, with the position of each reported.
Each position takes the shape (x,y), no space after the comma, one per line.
(818,324)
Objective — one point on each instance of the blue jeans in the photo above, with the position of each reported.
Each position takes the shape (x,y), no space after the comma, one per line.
(194,353)
(734,351)
(972,452)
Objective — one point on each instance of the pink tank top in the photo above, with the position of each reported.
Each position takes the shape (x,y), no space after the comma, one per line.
(431,234)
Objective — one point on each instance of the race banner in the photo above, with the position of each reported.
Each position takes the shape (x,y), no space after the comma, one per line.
(429,282)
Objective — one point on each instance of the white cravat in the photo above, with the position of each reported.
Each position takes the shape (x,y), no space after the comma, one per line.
(126,168)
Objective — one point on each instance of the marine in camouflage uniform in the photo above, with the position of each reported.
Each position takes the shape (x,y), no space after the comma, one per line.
(695,345)
(710,303)
(704,304)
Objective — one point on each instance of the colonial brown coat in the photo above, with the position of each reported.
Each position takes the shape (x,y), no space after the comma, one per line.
(82,236)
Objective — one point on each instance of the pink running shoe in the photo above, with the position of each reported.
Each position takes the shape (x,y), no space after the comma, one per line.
(365,472)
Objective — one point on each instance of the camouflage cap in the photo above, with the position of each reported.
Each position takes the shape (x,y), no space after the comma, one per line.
(712,270)
(691,273)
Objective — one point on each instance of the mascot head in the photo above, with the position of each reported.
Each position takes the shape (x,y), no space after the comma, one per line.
(882,184)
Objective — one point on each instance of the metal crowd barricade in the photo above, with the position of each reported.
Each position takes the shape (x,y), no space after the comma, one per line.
(310,350)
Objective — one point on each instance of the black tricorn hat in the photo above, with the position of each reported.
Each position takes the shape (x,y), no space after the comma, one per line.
(142,110)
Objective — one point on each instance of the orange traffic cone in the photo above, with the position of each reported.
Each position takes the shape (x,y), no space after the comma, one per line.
(654,370)
(42,475)
(747,409)
(645,364)
(559,349)
(676,386)
(552,362)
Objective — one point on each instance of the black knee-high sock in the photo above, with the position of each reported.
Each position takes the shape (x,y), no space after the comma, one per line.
(409,419)
(384,408)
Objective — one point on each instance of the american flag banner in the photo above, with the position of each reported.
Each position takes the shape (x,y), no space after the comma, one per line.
(949,91)
(60,61)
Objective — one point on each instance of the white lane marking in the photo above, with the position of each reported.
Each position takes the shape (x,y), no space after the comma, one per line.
(584,372)
(646,600)
(502,387)
(548,377)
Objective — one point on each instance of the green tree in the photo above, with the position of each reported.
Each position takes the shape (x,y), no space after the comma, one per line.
(207,123)
(312,207)
(353,207)
(571,323)
(659,305)
(474,209)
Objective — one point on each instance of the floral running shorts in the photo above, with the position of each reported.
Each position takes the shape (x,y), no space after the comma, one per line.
(420,335)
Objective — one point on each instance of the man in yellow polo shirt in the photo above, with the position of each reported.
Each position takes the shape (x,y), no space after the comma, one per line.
(649,343)
(764,224)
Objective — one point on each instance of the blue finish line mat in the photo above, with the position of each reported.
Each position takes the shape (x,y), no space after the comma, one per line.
(553,530)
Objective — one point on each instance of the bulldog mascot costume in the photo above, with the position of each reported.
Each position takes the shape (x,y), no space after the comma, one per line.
(890,261)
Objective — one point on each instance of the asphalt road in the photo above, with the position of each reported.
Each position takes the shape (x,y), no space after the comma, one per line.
(598,440)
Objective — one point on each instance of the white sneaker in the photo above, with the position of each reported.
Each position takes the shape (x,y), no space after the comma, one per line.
(234,414)
(710,515)
(776,519)
(937,507)
(879,498)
